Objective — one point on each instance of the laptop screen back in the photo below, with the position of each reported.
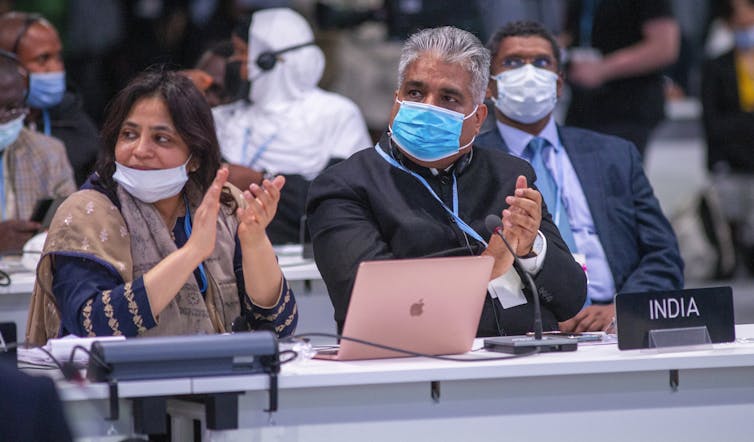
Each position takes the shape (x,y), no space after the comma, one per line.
(423,305)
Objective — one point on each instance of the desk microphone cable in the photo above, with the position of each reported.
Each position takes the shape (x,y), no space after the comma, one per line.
(305,336)
(5,280)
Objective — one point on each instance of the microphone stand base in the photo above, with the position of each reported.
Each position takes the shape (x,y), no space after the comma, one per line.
(528,344)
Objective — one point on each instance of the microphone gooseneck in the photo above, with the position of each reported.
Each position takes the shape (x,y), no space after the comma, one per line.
(495,226)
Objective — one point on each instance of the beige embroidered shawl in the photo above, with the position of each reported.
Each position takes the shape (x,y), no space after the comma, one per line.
(133,240)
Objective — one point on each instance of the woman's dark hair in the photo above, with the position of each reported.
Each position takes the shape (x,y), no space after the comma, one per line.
(191,116)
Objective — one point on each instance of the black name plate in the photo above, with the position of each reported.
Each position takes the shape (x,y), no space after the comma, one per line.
(638,313)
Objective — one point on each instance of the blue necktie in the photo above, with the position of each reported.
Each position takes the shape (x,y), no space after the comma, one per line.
(549,189)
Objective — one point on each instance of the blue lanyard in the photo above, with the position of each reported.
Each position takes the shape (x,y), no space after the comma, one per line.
(245,146)
(187,229)
(454,212)
(46,121)
(259,152)
(2,186)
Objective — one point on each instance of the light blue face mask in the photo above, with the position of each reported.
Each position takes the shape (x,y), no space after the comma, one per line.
(9,132)
(46,89)
(744,38)
(427,132)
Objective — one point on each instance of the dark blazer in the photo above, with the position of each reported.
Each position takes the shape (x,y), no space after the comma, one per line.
(30,409)
(365,209)
(639,242)
(70,124)
(729,130)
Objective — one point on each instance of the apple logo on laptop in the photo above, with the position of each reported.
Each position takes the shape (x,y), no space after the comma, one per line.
(417,308)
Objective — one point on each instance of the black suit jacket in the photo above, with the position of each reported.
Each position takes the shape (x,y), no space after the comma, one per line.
(365,209)
(639,243)
(70,124)
(30,409)
(729,130)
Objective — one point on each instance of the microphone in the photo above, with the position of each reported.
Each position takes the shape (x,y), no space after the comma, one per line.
(524,344)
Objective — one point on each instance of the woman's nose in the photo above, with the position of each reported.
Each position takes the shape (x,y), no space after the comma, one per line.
(142,147)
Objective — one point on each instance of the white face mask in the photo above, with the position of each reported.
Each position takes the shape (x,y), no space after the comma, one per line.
(151,185)
(526,94)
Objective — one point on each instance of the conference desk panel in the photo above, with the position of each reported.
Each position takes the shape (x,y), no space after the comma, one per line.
(595,393)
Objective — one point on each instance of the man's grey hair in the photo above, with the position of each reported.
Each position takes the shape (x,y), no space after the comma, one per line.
(451,45)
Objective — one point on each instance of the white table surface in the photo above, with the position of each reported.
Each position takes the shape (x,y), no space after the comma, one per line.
(580,395)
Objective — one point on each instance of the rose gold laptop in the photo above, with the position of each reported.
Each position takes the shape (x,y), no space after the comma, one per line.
(429,305)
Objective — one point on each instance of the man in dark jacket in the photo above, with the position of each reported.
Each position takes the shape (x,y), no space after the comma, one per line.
(425,190)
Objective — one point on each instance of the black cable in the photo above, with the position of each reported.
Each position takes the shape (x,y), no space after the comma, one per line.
(35,366)
(404,351)
(92,357)
(5,279)
(285,361)
(54,359)
(494,314)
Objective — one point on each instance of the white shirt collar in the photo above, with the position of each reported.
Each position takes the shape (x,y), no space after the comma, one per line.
(517,140)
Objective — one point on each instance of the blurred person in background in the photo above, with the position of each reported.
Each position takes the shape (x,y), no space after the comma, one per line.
(33,166)
(617,51)
(728,115)
(55,108)
(209,74)
(287,125)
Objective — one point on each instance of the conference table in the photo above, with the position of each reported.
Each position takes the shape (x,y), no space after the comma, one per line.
(595,393)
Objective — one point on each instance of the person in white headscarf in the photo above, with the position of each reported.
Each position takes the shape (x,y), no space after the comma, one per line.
(289,126)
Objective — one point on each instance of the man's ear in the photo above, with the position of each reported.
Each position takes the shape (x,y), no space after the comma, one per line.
(491,89)
(559,84)
(394,107)
(480,116)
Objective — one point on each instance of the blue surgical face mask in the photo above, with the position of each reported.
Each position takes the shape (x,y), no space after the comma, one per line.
(744,38)
(10,131)
(427,132)
(46,89)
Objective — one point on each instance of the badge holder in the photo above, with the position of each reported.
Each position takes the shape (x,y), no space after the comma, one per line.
(680,339)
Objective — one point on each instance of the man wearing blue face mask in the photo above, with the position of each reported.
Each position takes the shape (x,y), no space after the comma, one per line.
(593,184)
(54,109)
(32,166)
(425,190)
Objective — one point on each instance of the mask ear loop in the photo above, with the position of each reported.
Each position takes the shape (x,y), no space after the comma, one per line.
(466,118)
